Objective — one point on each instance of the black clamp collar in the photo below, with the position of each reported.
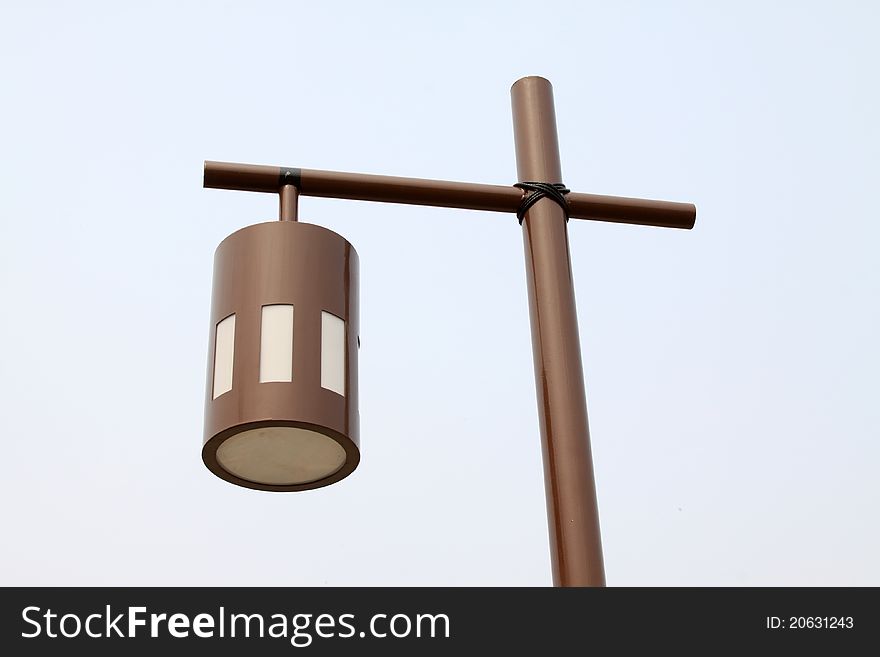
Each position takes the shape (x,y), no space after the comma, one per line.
(538,190)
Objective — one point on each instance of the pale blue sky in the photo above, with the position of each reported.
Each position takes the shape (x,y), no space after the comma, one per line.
(731,371)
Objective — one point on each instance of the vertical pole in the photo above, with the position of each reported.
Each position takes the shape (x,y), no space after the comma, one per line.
(572,511)
(288,196)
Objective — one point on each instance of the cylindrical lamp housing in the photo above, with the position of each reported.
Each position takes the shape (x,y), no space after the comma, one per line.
(281,411)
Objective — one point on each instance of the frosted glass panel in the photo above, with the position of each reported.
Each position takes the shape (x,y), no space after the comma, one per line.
(332,353)
(224,353)
(276,344)
(281,456)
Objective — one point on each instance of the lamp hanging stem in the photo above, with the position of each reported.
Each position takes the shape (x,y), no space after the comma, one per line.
(288,196)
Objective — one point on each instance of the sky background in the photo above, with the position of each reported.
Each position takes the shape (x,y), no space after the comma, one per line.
(731,371)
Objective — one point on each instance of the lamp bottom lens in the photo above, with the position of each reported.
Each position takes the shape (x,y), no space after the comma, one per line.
(281,456)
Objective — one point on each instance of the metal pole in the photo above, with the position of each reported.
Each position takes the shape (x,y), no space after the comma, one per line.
(573,515)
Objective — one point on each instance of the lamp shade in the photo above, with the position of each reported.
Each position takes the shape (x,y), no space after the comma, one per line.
(281,409)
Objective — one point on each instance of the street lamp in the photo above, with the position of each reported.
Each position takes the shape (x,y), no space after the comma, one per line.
(282,413)
(281,408)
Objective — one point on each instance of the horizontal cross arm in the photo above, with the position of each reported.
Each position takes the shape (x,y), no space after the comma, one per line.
(418,191)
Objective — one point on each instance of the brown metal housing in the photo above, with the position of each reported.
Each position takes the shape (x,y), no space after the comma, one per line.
(314,270)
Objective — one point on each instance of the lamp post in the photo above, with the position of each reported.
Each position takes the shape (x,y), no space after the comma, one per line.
(281,408)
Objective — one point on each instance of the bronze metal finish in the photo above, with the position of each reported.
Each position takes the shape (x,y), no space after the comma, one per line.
(287,262)
(416,191)
(288,199)
(575,543)
(315,270)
